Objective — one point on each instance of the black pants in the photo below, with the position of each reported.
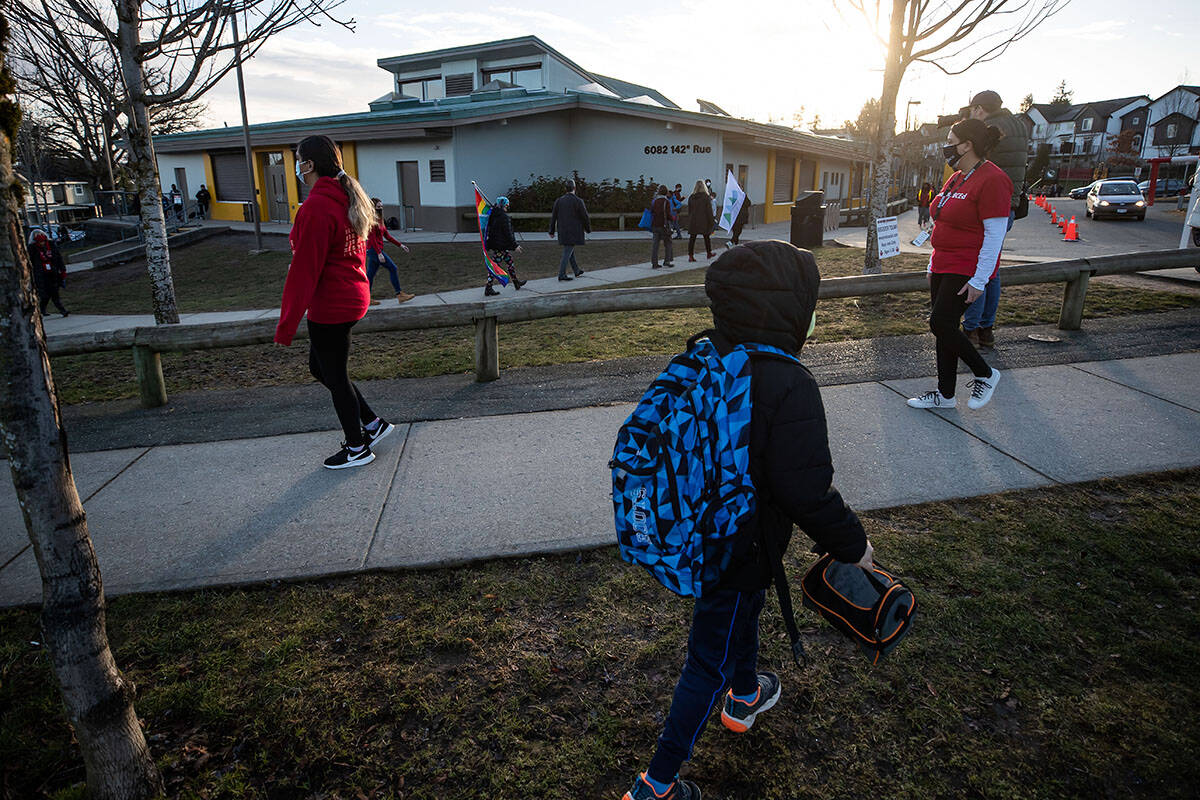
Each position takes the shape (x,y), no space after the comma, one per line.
(945,321)
(692,243)
(328,356)
(47,287)
(736,233)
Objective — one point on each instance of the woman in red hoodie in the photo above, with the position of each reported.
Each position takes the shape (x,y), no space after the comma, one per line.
(327,279)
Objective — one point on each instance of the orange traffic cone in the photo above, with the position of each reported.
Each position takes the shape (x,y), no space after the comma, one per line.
(1062,222)
(1072,234)
(1053,216)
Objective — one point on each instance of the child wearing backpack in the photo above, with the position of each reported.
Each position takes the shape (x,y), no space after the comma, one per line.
(762,293)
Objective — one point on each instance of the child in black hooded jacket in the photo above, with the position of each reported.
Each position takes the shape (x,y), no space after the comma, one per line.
(763,292)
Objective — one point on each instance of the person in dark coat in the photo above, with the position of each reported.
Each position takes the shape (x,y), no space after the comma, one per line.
(501,243)
(203,198)
(700,219)
(570,218)
(742,218)
(660,222)
(761,292)
(49,270)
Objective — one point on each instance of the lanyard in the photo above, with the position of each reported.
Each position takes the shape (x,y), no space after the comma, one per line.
(946,193)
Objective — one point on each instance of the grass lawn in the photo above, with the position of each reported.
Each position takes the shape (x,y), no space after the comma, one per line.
(108,376)
(1056,654)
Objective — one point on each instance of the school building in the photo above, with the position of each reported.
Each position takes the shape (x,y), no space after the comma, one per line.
(501,112)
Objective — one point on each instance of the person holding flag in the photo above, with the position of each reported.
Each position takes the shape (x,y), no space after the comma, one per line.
(500,242)
(483,210)
(735,211)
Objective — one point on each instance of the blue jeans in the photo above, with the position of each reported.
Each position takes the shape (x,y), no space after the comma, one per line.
(373,260)
(722,652)
(568,256)
(982,313)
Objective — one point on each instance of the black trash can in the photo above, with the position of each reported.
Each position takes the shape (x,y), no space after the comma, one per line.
(808,220)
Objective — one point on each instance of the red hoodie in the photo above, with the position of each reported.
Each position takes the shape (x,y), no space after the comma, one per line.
(376,235)
(327,277)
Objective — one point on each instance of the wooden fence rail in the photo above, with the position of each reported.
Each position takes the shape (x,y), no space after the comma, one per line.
(147,342)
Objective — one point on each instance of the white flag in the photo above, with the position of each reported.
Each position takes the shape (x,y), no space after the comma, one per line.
(734,197)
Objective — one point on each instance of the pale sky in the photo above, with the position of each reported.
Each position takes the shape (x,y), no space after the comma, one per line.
(766,59)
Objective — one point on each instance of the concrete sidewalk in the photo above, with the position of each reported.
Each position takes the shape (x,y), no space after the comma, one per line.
(455,490)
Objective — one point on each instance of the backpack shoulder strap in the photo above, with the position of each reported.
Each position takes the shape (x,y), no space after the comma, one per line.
(784,593)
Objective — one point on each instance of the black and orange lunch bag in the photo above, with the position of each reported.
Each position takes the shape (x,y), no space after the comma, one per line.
(873,608)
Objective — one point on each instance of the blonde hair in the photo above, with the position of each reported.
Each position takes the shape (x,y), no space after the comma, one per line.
(327,161)
(700,188)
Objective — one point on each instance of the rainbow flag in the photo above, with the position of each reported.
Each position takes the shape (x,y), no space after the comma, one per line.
(484,209)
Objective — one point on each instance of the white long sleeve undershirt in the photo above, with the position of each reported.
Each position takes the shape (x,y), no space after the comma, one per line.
(994,229)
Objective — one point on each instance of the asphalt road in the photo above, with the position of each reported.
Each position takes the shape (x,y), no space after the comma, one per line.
(1034,235)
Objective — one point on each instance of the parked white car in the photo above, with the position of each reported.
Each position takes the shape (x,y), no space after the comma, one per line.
(1115,198)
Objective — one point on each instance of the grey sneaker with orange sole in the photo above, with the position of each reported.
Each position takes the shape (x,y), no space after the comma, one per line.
(738,715)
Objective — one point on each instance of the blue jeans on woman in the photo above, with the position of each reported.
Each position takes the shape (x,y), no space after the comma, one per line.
(982,313)
(373,261)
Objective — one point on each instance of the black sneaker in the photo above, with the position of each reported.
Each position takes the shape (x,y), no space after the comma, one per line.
(381,432)
(738,715)
(680,790)
(346,457)
(565,278)
(578,273)
(490,291)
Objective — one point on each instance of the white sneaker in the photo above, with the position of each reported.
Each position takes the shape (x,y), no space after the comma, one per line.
(932,399)
(982,388)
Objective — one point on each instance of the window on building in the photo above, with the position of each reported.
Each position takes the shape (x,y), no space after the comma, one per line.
(437,171)
(528,76)
(424,89)
(1087,145)
(231,184)
(785,169)
(1087,124)
(1172,130)
(1135,121)
(1137,142)
(458,85)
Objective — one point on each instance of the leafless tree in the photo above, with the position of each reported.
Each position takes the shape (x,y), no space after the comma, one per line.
(98,699)
(50,83)
(951,35)
(167,52)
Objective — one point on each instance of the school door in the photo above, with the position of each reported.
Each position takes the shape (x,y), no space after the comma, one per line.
(276,180)
(409,180)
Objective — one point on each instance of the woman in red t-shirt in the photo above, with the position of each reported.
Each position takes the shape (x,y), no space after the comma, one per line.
(328,280)
(970,218)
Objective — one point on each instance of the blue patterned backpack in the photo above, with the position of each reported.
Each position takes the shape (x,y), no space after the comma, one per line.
(681,466)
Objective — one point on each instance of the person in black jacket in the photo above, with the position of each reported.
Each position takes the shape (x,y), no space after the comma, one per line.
(700,219)
(570,217)
(762,292)
(501,243)
(49,270)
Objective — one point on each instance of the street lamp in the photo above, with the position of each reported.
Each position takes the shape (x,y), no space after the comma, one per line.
(908,108)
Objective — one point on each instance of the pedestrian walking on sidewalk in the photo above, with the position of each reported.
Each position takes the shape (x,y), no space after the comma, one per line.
(970,218)
(570,218)
(49,270)
(203,198)
(1010,154)
(762,293)
(376,255)
(924,198)
(660,222)
(501,242)
(327,279)
(743,217)
(677,201)
(700,220)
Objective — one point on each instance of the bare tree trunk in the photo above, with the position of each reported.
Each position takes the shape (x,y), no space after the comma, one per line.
(99,701)
(145,167)
(881,151)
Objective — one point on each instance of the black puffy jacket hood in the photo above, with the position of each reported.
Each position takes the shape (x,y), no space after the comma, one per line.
(764,292)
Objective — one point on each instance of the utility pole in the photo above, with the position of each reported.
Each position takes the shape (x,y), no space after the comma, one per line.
(246,135)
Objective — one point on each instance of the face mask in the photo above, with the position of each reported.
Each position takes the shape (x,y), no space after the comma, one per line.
(951,154)
(812,324)
(300,174)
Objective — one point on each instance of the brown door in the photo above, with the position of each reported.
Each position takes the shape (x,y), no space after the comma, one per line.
(409,181)
(276,186)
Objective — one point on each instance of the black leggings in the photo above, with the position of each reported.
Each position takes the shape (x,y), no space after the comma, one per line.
(47,286)
(328,356)
(692,243)
(945,320)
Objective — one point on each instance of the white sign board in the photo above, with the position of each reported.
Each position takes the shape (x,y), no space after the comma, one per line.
(887,229)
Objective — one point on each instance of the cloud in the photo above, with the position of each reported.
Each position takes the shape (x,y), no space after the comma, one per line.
(1105,30)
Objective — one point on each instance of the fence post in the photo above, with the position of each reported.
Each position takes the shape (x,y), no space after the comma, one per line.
(487,350)
(620,222)
(147,364)
(1071,317)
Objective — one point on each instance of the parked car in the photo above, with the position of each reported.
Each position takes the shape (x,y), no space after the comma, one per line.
(1165,187)
(59,233)
(1080,192)
(1115,198)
